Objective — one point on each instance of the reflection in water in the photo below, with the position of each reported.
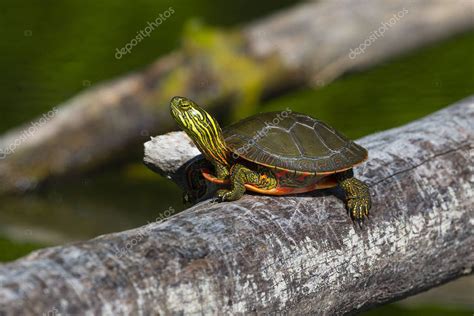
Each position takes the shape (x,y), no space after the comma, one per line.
(112,201)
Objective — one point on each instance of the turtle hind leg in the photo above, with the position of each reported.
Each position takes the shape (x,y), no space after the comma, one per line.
(357,195)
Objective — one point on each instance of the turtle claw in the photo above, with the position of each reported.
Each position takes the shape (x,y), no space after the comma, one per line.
(222,195)
(214,200)
(358,208)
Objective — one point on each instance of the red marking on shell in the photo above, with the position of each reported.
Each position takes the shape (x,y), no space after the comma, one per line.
(281,173)
(302,176)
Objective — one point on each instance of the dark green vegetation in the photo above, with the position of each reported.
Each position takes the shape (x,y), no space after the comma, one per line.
(12,250)
(51,50)
(397,310)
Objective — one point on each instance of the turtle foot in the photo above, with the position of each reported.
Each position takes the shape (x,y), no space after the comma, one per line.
(228,195)
(358,208)
(358,200)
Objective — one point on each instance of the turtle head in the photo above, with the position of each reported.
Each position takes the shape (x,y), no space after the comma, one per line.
(203,129)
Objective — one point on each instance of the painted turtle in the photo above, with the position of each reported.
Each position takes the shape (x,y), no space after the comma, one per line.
(275,153)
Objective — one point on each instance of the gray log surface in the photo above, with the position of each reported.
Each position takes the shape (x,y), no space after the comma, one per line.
(307,44)
(262,255)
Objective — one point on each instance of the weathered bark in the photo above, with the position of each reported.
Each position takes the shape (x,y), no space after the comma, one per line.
(299,254)
(309,44)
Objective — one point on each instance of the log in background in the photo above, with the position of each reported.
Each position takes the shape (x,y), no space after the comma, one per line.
(299,254)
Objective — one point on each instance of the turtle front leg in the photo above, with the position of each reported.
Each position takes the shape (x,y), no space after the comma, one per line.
(357,195)
(221,171)
(239,176)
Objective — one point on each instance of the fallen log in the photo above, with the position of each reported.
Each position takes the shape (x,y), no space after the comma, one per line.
(231,68)
(290,254)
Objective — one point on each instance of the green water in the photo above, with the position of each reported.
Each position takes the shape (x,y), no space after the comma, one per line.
(51,50)
(394,93)
(396,310)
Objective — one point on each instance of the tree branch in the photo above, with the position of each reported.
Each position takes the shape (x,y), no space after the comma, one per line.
(265,254)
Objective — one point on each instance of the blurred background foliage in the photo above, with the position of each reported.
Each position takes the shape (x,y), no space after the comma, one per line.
(51,50)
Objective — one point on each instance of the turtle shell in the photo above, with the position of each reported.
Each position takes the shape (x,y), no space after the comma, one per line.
(293,141)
